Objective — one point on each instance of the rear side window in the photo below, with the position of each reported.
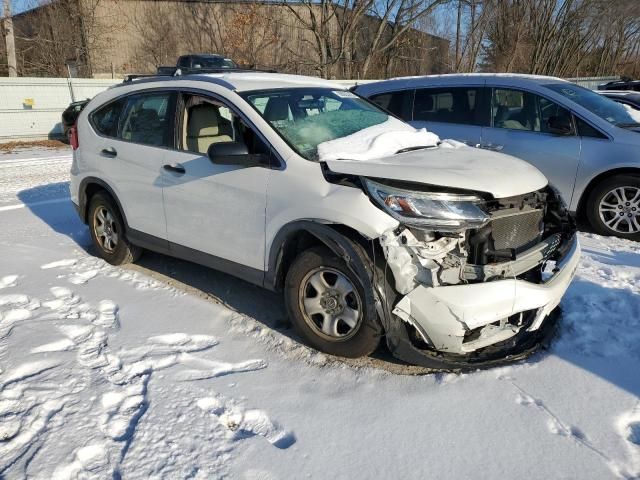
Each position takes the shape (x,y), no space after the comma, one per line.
(398,103)
(105,120)
(449,105)
(148,119)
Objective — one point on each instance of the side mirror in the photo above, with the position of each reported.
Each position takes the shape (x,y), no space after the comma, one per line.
(559,125)
(235,153)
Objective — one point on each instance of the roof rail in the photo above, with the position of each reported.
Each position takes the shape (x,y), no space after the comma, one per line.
(181,72)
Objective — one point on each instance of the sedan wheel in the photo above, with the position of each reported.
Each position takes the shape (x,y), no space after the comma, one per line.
(619,210)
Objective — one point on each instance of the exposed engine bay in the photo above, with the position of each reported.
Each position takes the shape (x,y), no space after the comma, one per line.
(483,287)
(521,235)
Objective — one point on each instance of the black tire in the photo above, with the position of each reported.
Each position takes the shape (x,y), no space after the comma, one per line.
(599,193)
(362,339)
(123,251)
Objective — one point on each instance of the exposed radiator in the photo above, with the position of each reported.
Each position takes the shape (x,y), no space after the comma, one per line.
(517,229)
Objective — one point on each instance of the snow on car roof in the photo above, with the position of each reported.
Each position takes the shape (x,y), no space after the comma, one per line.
(243,81)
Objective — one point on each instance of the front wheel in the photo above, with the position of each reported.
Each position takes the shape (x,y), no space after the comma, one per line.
(325,302)
(613,207)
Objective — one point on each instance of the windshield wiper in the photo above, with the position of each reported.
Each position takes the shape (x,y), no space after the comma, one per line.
(411,149)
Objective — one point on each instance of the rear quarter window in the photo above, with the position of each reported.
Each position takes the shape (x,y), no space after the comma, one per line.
(105,120)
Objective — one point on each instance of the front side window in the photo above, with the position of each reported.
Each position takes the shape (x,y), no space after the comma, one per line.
(448,105)
(106,119)
(148,119)
(601,106)
(206,121)
(307,117)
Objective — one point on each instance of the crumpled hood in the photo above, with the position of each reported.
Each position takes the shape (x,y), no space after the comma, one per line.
(460,167)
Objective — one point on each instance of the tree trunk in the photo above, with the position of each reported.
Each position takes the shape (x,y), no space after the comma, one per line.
(9,40)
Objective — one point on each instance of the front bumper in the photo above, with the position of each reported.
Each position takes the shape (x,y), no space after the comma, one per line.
(463,319)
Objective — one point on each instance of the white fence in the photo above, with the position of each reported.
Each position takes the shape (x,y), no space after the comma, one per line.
(30,108)
(592,82)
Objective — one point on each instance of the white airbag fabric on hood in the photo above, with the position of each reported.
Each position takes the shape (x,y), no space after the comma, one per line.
(376,142)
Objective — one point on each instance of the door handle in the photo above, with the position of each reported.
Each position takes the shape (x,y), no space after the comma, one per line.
(492,147)
(109,152)
(175,168)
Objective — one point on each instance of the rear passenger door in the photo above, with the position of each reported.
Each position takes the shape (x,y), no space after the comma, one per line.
(452,112)
(522,125)
(137,131)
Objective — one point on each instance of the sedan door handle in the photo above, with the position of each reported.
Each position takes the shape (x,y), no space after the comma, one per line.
(175,168)
(109,152)
(492,147)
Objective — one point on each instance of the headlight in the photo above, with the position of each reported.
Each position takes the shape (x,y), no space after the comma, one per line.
(440,211)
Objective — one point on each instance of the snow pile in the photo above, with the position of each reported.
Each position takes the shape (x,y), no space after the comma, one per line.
(377,141)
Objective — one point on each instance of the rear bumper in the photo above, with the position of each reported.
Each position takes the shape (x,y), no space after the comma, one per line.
(465,319)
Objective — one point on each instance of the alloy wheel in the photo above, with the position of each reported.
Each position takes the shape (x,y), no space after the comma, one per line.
(619,209)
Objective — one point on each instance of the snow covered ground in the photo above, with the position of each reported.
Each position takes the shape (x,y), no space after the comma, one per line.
(168,370)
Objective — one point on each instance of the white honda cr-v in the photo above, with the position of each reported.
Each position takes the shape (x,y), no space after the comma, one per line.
(371,228)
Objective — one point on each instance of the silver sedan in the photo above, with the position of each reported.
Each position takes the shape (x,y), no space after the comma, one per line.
(587,145)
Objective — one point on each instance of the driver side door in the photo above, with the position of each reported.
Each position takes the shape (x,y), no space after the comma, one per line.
(215,213)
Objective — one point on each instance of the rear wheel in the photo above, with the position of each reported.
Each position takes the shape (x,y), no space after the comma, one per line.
(325,301)
(108,232)
(613,207)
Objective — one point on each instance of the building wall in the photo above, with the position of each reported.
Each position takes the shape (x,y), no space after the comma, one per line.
(107,37)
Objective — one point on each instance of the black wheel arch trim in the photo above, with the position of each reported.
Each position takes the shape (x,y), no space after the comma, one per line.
(83,203)
(345,248)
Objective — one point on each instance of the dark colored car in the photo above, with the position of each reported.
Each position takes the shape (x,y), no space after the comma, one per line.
(70,115)
(624,84)
(189,63)
(626,97)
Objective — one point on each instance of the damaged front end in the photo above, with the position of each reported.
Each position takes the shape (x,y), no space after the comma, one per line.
(476,280)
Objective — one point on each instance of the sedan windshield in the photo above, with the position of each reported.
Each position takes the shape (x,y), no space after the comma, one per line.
(307,117)
(603,107)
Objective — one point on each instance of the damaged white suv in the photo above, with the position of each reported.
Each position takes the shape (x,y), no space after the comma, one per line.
(372,229)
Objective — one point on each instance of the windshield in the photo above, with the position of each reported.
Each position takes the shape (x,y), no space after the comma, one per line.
(603,107)
(307,117)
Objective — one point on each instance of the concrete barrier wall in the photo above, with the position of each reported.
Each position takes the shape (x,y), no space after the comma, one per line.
(30,108)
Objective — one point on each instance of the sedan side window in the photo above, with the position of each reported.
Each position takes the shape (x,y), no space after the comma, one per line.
(148,119)
(515,110)
(398,103)
(448,105)
(519,110)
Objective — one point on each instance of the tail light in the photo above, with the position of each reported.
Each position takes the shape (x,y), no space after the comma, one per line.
(73,137)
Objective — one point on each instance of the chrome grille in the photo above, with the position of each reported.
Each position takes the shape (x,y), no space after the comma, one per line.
(519,230)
